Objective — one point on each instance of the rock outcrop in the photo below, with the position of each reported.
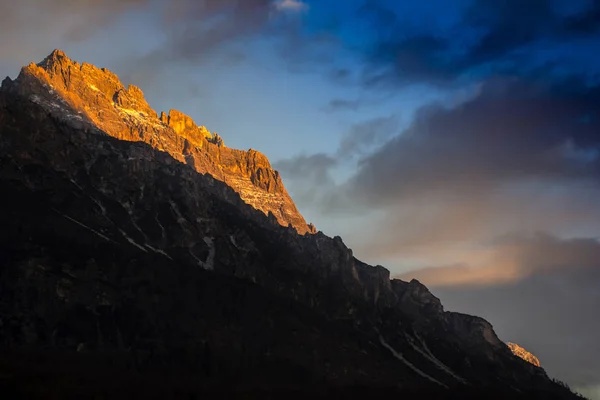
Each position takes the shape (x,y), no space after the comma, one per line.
(97,101)
(524,354)
(125,273)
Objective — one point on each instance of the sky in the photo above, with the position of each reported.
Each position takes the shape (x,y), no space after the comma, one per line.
(452,141)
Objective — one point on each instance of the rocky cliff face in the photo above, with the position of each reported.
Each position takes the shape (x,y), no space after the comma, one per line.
(94,99)
(524,354)
(125,273)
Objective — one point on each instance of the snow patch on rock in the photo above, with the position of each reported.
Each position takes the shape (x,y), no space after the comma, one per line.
(133,242)
(425,352)
(408,363)
(86,227)
(158,251)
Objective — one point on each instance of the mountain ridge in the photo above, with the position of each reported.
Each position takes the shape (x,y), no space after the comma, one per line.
(116,251)
(94,98)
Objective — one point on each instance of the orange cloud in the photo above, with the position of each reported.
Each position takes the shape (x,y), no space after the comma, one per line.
(463,275)
(511,259)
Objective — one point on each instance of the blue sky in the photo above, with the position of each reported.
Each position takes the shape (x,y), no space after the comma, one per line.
(455,141)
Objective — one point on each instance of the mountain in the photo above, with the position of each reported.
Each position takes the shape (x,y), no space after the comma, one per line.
(140,258)
(524,354)
(94,99)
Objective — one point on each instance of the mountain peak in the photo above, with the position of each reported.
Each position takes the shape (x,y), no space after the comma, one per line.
(95,99)
(57,55)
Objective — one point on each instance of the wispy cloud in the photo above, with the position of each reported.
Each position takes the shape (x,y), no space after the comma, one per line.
(35,27)
(291,6)
(362,138)
(513,258)
(309,173)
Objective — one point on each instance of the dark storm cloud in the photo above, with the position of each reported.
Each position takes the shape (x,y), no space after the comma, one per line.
(509,131)
(398,55)
(508,25)
(490,37)
(412,60)
(586,22)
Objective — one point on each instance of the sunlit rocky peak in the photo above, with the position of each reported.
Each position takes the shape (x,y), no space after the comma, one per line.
(94,99)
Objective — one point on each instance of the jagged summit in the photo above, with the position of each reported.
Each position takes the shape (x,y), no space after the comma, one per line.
(94,99)
(52,58)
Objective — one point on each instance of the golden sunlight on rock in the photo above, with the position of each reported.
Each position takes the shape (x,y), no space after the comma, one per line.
(95,100)
(524,354)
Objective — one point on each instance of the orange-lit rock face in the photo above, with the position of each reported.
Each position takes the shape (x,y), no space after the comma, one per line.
(524,354)
(184,126)
(104,105)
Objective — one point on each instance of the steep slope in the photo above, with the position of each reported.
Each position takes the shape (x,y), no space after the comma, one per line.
(126,273)
(97,100)
(524,354)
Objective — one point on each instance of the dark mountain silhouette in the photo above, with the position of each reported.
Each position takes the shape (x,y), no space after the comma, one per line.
(140,259)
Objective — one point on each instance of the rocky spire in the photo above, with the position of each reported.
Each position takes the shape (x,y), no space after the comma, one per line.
(56,57)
